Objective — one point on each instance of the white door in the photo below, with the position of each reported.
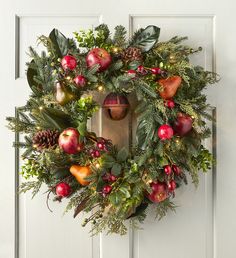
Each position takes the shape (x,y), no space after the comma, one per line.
(204,225)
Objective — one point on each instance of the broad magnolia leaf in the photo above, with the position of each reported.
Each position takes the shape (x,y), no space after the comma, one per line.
(122,155)
(147,38)
(30,74)
(60,42)
(116,169)
(54,118)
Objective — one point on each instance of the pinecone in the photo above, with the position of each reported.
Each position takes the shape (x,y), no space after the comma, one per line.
(45,139)
(132,54)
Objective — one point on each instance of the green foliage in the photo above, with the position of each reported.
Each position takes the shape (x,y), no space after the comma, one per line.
(31,169)
(119,38)
(60,43)
(133,170)
(163,207)
(33,186)
(146,38)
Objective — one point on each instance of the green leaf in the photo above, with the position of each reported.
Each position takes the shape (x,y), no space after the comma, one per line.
(125,191)
(122,154)
(144,157)
(134,65)
(60,42)
(107,161)
(82,128)
(116,169)
(54,118)
(115,198)
(147,38)
(100,184)
(30,74)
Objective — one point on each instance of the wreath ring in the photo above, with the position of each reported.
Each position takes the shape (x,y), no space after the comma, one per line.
(90,171)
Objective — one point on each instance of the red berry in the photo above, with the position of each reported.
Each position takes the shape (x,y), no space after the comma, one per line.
(100,145)
(112,178)
(97,153)
(140,69)
(155,70)
(68,62)
(165,132)
(80,80)
(63,189)
(176,169)
(131,72)
(167,169)
(171,185)
(170,103)
(106,189)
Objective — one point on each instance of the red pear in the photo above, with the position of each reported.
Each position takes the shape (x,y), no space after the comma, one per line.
(169,86)
(183,124)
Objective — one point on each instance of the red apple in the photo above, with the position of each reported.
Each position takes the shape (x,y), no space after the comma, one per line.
(80,81)
(68,62)
(165,132)
(98,56)
(69,141)
(63,189)
(159,192)
(183,124)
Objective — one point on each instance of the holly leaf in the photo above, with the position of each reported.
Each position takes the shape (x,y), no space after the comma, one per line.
(146,39)
(116,169)
(60,42)
(122,154)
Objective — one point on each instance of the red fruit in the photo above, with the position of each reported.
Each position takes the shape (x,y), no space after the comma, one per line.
(167,169)
(140,69)
(63,189)
(131,72)
(171,185)
(155,70)
(159,192)
(98,56)
(97,154)
(109,177)
(80,80)
(170,103)
(106,189)
(69,141)
(100,145)
(112,178)
(176,169)
(165,132)
(169,86)
(183,124)
(68,62)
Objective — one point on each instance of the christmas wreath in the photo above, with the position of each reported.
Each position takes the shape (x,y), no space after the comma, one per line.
(111,184)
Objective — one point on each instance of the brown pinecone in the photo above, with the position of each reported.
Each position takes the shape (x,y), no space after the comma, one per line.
(45,139)
(132,54)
